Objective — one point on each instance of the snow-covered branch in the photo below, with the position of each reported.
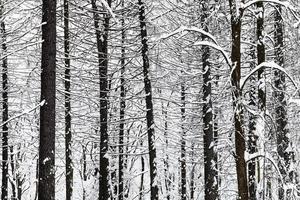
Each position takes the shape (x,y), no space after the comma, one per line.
(282,3)
(24,113)
(267,65)
(215,46)
(188,29)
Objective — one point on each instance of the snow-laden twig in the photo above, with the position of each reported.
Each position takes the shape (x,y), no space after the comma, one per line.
(215,46)
(24,113)
(282,3)
(105,4)
(188,29)
(267,65)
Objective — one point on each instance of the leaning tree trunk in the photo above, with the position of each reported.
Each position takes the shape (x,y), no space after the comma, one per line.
(122,112)
(68,133)
(102,46)
(46,184)
(239,132)
(4,187)
(149,103)
(210,154)
(281,104)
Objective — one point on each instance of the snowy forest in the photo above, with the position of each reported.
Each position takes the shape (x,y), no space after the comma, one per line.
(150,99)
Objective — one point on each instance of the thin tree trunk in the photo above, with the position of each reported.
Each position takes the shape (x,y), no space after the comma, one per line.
(13,172)
(166,159)
(149,103)
(46,186)
(280,103)
(102,47)
(122,113)
(261,78)
(252,137)
(240,145)
(183,139)
(4,187)
(210,170)
(141,193)
(68,133)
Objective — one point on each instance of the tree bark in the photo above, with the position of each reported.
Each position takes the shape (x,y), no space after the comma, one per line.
(4,187)
(122,112)
(149,103)
(68,132)
(239,132)
(46,186)
(183,144)
(102,47)
(210,170)
(281,104)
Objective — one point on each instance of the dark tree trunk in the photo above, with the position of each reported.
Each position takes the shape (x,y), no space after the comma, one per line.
(13,172)
(46,186)
(4,187)
(68,133)
(183,139)
(84,170)
(210,170)
(166,159)
(239,132)
(102,40)
(141,193)
(149,103)
(122,113)
(280,104)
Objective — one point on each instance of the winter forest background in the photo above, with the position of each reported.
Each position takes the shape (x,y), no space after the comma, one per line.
(150,99)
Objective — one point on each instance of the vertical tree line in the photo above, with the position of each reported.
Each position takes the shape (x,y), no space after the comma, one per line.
(149,99)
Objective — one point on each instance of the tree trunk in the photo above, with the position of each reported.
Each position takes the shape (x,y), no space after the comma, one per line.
(183,139)
(239,132)
(122,112)
(46,186)
(102,40)
(4,187)
(280,104)
(68,133)
(210,170)
(149,103)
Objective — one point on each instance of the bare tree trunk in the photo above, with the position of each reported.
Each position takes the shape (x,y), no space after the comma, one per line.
(281,104)
(183,139)
(149,103)
(68,133)
(46,186)
(210,170)
(240,145)
(4,187)
(102,46)
(122,112)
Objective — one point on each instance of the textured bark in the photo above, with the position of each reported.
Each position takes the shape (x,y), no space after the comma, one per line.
(149,103)
(68,133)
(102,46)
(46,184)
(280,104)
(252,137)
(239,132)
(183,144)
(122,113)
(4,186)
(210,170)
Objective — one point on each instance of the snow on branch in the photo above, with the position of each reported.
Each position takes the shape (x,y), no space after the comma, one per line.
(267,65)
(24,113)
(283,3)
(105,4)
(188,29)
(215,46)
